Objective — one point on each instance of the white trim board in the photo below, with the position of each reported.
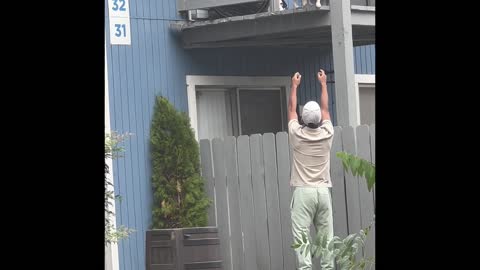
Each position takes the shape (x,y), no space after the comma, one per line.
(365,78)
(229,81)
(111,251)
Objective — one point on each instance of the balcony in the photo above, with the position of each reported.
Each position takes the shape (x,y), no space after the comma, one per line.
(274,26)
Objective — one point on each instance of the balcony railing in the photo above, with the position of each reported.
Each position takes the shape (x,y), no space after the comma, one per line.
(215,9)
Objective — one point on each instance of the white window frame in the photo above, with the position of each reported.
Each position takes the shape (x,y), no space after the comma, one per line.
(230,81)
(362,80)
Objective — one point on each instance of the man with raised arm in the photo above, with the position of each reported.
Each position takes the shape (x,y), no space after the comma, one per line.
(310,172)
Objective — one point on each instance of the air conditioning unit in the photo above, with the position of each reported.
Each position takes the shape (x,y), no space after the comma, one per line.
(198,14)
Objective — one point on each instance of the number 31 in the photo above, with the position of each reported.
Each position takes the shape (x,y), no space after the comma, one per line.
(118,31)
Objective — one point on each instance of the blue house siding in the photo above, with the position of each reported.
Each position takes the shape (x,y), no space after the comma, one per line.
(156,64)
(364,59)
(152,65)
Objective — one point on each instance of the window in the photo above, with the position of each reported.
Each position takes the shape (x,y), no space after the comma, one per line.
(365,86)
(233,106)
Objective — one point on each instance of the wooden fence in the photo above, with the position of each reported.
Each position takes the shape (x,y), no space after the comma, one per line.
(248,179)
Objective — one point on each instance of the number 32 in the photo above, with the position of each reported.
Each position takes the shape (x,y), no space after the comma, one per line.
(115,5)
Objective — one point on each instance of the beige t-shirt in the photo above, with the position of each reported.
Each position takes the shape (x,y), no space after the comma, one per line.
(310,154)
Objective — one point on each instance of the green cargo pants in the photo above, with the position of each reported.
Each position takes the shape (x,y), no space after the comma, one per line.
(311,204)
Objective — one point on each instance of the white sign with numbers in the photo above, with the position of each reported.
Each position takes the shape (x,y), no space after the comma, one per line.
(119,15)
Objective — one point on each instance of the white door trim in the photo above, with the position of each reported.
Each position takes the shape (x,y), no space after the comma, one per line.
(111,251)
(362,80)
(229,81)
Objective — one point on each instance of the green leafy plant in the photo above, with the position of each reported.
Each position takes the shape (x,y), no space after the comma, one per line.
(344,251)
(113,150)
(359,167)
(179,199)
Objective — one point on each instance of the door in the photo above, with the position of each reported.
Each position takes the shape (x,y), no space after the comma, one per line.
(367,104)
(260,111)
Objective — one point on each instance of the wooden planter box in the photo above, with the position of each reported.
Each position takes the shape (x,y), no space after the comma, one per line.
(183,249)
